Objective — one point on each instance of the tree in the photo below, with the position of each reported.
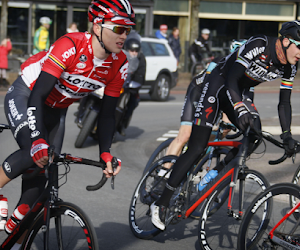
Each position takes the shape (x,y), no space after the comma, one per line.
(195,4)
(3,25)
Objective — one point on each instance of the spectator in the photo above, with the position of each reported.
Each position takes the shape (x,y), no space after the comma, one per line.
(5,47)
(174,43)
(72,28)
(200,48)
(41,39)
(136,73)
(162,32)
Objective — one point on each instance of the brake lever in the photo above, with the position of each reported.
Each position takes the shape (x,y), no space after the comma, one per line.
(114,164)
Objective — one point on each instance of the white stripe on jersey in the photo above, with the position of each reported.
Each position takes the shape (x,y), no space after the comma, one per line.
(32,71)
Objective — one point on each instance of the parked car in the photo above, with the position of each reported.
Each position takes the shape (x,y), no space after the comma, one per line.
(161,69)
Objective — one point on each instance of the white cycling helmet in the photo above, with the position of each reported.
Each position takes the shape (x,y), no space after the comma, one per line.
(45,20)
(205,31)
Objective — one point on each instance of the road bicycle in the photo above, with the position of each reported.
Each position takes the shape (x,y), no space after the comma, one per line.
(52,223)
(272,219)
(162,148)
(187,198)
(270,222)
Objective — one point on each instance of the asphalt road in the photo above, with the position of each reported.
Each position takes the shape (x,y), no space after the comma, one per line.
(108,209)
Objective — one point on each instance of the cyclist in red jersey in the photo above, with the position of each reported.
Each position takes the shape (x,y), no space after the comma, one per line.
(76,64)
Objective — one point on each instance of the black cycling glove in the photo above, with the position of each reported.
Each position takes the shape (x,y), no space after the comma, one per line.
(290,145)
(245,118)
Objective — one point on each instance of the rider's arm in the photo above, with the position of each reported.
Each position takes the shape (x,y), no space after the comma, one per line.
(106,123)
(236,72)
(285,110)
(42,88)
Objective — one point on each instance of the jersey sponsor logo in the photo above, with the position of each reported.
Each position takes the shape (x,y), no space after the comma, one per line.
(68,53)
(208,111)
(11,121)
(124,70)
(10,89)
(254,52)
(22,125)
(200,103)
(13,110)
(80,81)
(200,79)
(83,58)
(35,134)
(211,99)
(114,56)
(31,118)
(80,65)
(260,73)
(7,167)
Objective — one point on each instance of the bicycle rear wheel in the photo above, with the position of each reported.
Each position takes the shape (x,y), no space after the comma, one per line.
(257,222)
(148,190)
(69,228)
(217,229)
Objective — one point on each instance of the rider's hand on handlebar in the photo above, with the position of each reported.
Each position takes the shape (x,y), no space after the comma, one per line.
(245,118)
(290,145)
(39,152)
(109,171)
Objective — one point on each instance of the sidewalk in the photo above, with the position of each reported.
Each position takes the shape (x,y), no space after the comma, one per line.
(184,79)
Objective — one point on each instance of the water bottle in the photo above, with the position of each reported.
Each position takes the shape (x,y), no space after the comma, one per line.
(16,217)
(207,178)
(3,211)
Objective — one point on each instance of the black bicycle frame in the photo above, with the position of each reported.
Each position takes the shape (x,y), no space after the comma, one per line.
(231,169)
(45,200)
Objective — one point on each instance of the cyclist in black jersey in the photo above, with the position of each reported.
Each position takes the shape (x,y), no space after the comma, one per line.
(260,59)
(190,103)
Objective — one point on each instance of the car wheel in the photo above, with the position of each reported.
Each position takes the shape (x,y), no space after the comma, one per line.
(161,89)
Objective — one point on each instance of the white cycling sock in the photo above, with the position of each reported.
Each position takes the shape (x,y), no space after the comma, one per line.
(16,246)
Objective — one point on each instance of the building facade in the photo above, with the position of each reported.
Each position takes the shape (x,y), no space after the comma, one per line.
(227,19)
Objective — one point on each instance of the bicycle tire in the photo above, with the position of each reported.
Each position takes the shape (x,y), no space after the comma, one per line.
(257,221)
(215,219)
(87,127)
(67,223)
(148,190)
(158,153)
(200,170)
(293,200)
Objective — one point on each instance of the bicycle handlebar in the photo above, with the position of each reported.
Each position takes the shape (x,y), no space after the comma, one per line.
(67,158)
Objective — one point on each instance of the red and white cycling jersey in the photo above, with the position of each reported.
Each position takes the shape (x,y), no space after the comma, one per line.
(71,60)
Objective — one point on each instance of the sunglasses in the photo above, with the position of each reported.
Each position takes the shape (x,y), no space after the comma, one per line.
(295,42)
(117,28)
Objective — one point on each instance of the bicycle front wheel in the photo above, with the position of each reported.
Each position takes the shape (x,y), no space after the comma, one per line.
(258,222)
(218,229)
(69,228)
(148,190)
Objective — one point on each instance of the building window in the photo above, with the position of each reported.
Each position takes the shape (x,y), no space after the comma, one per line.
(269,9)
(171,5)
(17,27)
(220,7)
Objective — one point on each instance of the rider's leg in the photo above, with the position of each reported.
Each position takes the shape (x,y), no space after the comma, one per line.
(197,143)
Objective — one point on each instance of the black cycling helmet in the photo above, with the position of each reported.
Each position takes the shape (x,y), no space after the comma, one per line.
(292,29)
(132,44)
